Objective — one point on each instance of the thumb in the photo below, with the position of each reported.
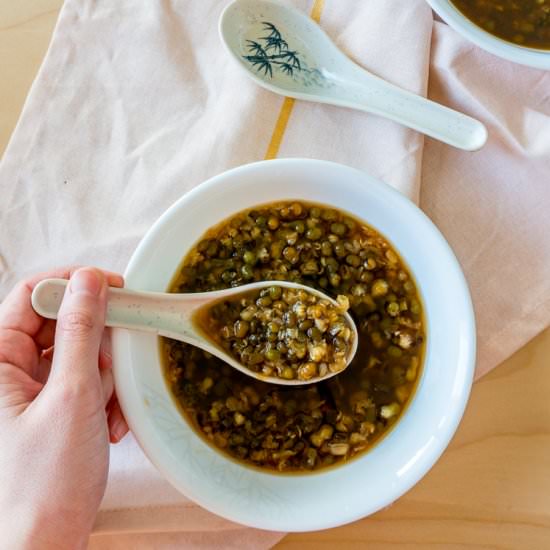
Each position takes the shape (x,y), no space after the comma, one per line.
(79,329)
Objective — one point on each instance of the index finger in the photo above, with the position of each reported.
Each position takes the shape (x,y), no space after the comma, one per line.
(16,311)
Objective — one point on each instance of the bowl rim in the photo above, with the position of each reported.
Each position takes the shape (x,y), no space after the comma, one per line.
(531,57)
(462,381)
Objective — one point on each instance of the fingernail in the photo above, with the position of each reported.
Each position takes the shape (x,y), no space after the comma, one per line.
(119,430)
(86,281)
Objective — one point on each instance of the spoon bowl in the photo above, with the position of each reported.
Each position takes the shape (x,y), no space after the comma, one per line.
(285,51)
(173,316)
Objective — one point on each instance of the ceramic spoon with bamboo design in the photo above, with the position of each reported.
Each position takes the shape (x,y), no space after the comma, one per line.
(284,51)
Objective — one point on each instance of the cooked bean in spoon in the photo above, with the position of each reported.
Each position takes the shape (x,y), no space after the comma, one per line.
(286,333)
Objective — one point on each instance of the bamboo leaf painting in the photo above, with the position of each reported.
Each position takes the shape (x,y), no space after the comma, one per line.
(271,52)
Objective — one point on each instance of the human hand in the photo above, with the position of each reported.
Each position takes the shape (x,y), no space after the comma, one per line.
(56,418)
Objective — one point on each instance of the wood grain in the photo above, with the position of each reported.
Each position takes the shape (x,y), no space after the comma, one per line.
(25,30)
(490,489)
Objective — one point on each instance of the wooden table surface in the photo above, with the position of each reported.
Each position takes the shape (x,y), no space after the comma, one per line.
(490,489)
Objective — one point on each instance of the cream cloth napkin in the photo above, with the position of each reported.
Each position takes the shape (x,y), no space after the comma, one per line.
(137,102)
(494,205)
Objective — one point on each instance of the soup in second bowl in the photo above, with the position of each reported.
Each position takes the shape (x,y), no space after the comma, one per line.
(289,429)
(522,22)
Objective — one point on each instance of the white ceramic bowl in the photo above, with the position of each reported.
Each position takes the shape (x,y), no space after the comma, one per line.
(366,484)
(519,54)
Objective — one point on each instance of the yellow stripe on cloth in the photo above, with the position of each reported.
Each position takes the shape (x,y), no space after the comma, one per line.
(316,10)
(288,103)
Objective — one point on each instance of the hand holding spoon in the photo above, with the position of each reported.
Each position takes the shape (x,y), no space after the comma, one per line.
(186,317)
(284,51)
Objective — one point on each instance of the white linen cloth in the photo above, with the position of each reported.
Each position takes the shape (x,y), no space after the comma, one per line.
(137,102)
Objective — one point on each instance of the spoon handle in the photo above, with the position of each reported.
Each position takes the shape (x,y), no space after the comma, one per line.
(374,95)
(143,311)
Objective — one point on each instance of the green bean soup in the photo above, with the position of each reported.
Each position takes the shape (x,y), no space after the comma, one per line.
(280,332)
(311,427)
(522,22)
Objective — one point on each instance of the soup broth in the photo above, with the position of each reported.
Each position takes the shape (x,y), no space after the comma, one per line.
(523,22)
(307,428)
